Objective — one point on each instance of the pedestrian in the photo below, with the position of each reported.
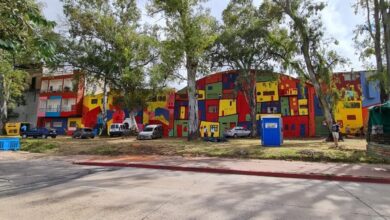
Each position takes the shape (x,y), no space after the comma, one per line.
(212,131)
(335,133)
(23,128)
(205,132)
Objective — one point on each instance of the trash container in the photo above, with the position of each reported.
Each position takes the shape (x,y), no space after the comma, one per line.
(271,131)
(9,143)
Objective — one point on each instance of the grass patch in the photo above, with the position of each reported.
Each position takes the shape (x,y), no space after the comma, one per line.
(352,151)
(37,146)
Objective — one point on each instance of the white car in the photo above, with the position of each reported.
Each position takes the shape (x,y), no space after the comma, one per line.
(238,132)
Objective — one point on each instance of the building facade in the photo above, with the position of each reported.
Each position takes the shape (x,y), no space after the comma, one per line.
(222,107)
(27,111)
(60,99)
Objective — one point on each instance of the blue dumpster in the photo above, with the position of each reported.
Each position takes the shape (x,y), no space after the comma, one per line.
(10,143)
(271,131)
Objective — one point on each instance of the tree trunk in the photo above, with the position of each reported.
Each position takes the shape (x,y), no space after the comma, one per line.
(133,125)
(385,9)
(193,117)
(253,103)
(3,104)
(104,108)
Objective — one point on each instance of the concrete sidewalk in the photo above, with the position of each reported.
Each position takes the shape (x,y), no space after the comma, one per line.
(373,173)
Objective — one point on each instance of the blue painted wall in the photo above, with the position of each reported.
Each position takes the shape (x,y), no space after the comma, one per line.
(370,90)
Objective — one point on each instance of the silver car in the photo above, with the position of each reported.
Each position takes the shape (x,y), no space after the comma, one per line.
(151,132)
(238,132)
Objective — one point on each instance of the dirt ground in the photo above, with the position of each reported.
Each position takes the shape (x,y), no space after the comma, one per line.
(315,149)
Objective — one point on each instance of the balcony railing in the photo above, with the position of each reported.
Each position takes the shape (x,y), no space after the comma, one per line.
(59,109)
(56,90)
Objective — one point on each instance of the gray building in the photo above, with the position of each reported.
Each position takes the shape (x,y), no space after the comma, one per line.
(27,111)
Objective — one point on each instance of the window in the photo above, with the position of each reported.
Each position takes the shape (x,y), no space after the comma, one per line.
(162,98)
(209,87)
(351,105)
(351,117)
(72,124)
(258,93)
(33,83)
(213,109)
(57,124)
(200,96)
(272,110)
(231,103)
(293,127)
(303,106)
(215,127)
(266,93)
(94,101)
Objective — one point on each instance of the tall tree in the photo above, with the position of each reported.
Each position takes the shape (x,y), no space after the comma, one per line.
(108,44)
(21,31)
(246,44)
(369,40)
(317,60)
(385,11)
(189,32)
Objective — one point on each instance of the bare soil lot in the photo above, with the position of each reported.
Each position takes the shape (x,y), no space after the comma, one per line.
(352,150)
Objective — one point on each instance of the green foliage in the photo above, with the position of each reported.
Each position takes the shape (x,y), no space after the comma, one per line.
(189,33)
(108,44)
(36,146)
(19,21)
(14,83)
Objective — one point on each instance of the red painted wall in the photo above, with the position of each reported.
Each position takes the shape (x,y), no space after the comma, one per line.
(212,116)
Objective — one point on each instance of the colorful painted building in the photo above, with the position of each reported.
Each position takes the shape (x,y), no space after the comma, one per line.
(222,107)
(358,93)
(60,98)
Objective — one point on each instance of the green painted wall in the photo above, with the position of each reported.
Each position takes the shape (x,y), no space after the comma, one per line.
(213,90)
(285,107)
(184,123)
(224,123)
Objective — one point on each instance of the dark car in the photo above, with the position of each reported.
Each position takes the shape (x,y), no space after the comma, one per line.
(83,133)
(39,132)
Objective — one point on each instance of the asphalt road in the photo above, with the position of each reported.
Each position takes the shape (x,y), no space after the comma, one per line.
(55,189)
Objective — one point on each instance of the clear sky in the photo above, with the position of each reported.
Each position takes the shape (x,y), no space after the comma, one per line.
(338,17)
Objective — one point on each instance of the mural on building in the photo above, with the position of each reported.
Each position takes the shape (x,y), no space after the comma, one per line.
(63,105)
(222,107)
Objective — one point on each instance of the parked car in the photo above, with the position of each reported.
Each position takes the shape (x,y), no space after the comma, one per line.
(39,132)
(117,129)
(151,132)
(83,133)
(237,132)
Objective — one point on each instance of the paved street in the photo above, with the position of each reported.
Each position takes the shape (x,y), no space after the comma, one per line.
(55,189)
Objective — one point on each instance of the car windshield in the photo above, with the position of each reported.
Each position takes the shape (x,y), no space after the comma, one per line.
(148,129)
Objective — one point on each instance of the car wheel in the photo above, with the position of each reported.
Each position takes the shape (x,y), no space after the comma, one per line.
(35,137)
(235,136)
(53,136)
(93,136)
(24,136)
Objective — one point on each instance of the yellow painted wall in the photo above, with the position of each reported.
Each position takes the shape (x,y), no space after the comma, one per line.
(341,114)
(182,112)
(145,118)
(303,111)
(88,99)
(78,122)
(227,107)
(202,95)
(152,106)
(271,86)
(258,116)
(208,125)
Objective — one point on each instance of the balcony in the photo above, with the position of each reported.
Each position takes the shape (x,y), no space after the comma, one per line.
(59,111)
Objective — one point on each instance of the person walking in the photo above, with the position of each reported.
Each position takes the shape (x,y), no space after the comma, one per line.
(205,132)
(335,133)
(212,131)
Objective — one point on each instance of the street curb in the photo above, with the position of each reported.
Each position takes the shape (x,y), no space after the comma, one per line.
(312,176)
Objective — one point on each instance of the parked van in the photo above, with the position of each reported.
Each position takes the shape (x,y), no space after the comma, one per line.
(151,132)
(117,129)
